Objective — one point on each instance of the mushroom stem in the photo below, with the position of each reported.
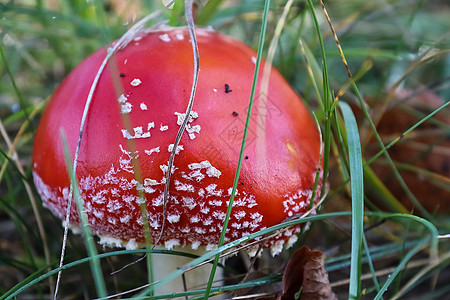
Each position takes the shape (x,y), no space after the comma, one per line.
(164,264)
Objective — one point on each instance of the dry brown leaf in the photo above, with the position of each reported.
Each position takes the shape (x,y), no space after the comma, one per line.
(305,269)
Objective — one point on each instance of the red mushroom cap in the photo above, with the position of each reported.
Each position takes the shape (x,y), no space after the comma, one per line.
(155,72)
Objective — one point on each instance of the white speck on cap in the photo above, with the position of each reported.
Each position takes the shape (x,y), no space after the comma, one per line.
(170,244)
(125,107)
(194,219)
(138,133)
(107,241)
(143,106)
(173,218)
(291,241)
(239,214)
(215,202)
(195,245)
(180,36)
(179,148)
(189,202)
(158,201)
(211,189)
(125,219)
(179,186)
(136,82)
(185,229)
(98,214)
(148,181)
(154,224)
(163,127)
(210,247)
(149,152)
(131,245)
(164,37)
(200,230)
(210,170)
(276,248)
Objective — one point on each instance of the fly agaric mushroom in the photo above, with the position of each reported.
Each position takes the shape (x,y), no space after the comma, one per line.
(134,117)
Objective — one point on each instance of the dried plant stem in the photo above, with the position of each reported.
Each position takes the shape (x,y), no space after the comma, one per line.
(191,26)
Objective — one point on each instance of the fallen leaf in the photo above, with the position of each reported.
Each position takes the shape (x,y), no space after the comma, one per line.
(305,270)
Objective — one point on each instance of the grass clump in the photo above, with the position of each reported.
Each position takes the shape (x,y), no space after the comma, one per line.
(380,98)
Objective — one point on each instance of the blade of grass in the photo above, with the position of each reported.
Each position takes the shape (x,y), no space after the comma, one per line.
(207,13)
(442,260)
(29,191)
(244,138)
(16,290)
(100,15)
(87,234)
(384,194)
(426,118)
(371,267)
(357,191)
(327,108)
(397,270)
(372,124)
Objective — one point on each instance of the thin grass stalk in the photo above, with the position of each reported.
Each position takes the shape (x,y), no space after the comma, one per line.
(442,260)
(244,138)
(383,272)
(19,95)
(310,73)
(400,267)
(100,15)
(423,120)
(19,135)
(382,191)
(371,267)
(87,234)
(376,252)
(326,98)
(208,11)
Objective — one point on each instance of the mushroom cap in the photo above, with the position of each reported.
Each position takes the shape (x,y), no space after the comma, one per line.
(136,111)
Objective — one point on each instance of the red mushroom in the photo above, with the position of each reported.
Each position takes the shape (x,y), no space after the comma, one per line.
(154,72)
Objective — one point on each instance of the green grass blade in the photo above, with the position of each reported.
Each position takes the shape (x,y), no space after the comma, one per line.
(208,12)
(87,234)
(397,270)
(357,191)
(327,103)
(244,138)
(369,261)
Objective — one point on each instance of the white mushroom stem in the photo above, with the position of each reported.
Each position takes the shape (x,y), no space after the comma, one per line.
(164,264)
